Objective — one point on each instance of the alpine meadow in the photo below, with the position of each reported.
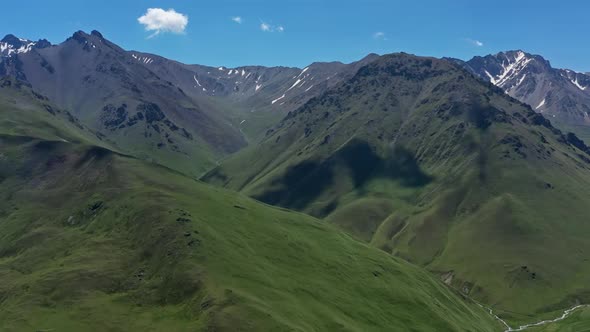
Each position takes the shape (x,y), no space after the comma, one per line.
(310,174)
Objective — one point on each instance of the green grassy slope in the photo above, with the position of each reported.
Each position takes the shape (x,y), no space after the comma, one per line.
(110,91)
(91,240)
(31,114)
(582,131)
(26,113)
(424,161)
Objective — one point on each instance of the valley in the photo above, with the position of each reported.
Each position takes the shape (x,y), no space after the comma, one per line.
(91,237)
(395,192)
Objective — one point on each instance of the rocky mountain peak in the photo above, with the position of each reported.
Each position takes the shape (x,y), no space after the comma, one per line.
(12,40)
(96,34)
(10,45)
(79,36)
(560,93)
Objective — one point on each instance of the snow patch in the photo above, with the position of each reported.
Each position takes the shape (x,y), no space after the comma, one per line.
(521,80)
(294,84)
(274,101)
(196,80)
(8,49)
(541,104)
(303,71)
(144,60)
(575,82)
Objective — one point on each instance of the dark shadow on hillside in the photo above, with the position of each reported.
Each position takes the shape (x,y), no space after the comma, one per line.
(302,184)
(93,153)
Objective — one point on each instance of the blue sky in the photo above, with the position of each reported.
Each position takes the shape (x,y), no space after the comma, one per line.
(318,30)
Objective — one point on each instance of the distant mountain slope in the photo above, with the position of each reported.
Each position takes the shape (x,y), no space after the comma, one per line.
(113,93)
(27,113)
(256,97)
(10,45)
(561,94)
(256,88)
(426,161)
(184,116)
(91,240)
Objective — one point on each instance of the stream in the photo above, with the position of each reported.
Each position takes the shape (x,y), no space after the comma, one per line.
(566,313)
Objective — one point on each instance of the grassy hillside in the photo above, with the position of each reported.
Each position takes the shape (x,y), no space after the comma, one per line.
(91,240)
(111,91)
(26,113)
(423,160)
(581,131)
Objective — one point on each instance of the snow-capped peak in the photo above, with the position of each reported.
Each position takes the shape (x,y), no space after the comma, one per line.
(11,45)
(512,65)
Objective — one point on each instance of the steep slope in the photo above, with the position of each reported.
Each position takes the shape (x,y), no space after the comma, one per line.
(426,161)
(27,113)
(183,116)
(256,97)
(11,45)
(112,92)
(91,240)
(561,94)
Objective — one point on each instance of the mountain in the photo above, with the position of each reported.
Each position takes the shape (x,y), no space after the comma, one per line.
(257,86)
(27,113)
(10,45)
(561,94)
(111,92)
(418,160)
(182,116)
(424,160)
(94,240)
(256,97)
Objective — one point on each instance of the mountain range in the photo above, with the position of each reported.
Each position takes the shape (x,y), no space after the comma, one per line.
(185,116)
(562,95)
(95,240)
(440,186)
(424,160)
(242,103)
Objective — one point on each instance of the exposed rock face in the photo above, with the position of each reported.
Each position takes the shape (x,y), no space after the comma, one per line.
(561,94)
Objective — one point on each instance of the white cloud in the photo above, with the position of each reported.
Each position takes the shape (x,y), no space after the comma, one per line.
(266,27)
(237,19)
(475,42)
(379,35)
(160,20)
